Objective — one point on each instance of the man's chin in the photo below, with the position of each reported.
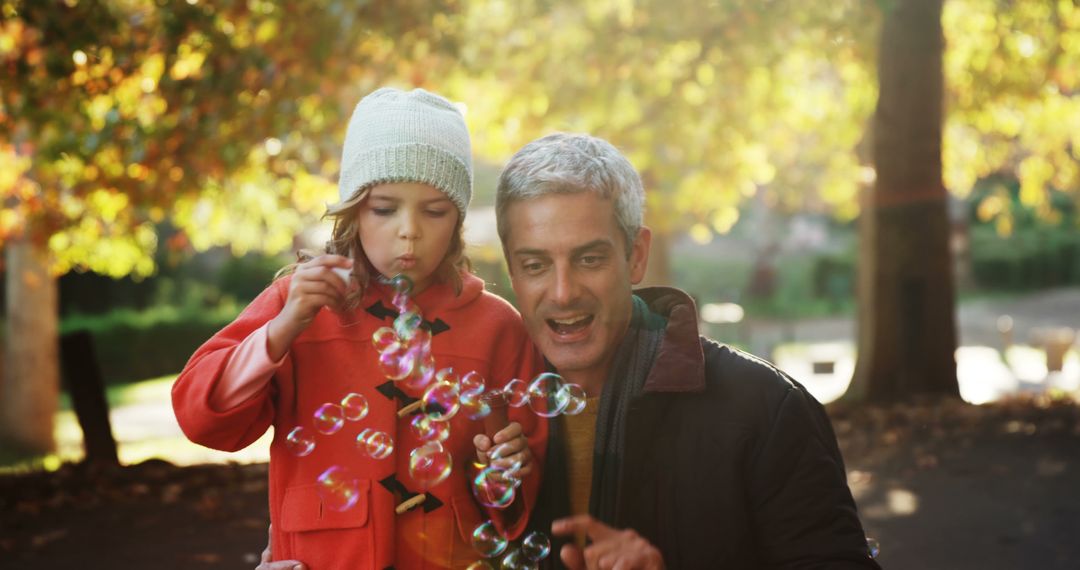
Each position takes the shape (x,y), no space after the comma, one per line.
(568,361)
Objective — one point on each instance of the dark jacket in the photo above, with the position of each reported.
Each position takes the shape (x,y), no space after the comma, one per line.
(729,463)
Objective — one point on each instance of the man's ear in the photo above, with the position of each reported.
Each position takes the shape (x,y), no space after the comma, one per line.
(639,255)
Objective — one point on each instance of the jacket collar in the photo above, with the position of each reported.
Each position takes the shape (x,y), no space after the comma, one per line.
(680,364)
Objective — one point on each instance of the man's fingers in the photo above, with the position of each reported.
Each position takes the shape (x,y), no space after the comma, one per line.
(572,557)
(593,528)
(483,445)
(508,433)
(510,461)
(505,450)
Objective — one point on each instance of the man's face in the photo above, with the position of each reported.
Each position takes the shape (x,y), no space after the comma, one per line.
(572,276)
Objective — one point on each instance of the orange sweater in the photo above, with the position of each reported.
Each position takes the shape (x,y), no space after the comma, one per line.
(472,331)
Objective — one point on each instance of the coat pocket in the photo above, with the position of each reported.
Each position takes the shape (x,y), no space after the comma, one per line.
(324,538)
(467,516)
(304,510)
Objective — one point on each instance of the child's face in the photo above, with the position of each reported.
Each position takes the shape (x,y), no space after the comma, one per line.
(406,228)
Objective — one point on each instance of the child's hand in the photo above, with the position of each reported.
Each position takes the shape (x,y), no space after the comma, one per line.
(510,448)
(314,285)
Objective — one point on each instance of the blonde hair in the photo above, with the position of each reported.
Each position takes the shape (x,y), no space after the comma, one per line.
(345,241)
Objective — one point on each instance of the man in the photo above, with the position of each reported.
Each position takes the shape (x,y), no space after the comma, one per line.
(690,454)
(700,456)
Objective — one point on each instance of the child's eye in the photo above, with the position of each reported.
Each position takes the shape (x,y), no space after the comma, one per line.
(437,213)
(382,211)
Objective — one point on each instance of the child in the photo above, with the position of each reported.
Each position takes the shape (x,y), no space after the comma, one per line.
(405,185)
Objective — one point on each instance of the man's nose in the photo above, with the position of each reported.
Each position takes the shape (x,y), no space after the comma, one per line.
(565,289)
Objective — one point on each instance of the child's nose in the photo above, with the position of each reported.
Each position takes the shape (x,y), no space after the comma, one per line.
(410,226)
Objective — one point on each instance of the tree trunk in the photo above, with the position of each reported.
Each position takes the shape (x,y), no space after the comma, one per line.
(30,390)
(907,327)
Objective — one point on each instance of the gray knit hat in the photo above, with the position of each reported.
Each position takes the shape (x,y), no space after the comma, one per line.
(407,136)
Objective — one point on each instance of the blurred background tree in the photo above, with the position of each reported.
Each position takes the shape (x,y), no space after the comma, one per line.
(218,117)
(221,122)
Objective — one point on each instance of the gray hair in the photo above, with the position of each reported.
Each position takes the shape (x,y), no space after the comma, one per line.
(564,163)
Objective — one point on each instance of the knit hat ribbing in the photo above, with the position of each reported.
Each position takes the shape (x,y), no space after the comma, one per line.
(407,136)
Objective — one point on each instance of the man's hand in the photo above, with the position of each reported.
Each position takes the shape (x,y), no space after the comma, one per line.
(509,449)
(266,564)
(611,549)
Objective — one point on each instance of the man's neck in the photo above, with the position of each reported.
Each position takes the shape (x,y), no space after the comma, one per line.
(590,381)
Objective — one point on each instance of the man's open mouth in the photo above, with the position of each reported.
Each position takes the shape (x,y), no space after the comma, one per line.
(569,326)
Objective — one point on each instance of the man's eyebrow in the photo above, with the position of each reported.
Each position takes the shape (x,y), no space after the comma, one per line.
(592,245)
(529,251)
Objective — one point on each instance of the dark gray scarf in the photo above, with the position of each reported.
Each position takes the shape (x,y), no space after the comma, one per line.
(633,361)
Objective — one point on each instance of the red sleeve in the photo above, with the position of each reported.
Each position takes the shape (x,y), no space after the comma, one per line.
(525,363)
(238,426)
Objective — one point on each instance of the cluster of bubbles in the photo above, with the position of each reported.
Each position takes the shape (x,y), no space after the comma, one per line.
(492,545)
(404,356)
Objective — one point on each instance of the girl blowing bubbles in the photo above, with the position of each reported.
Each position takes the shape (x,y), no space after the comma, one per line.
(405,185)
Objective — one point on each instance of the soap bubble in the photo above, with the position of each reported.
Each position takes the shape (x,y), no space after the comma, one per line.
(536,546)
(422,375)
(355,407)
(421,340)
(376,444)
(517,393)
(385,339)
(338,488)
(401,284)
(407,323)
(492,488)
(427,429)
(474,406)
(397,364)
(515,560)
(873,547)
(447,376)
(472,383)
(403,302)
(329,418)
(430,464)
(488,541)
(441,401)
(299,442)
(546,397)
(479,565)
(575,399)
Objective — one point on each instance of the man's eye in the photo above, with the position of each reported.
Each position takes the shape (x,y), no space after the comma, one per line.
(592,260)
(533,266)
